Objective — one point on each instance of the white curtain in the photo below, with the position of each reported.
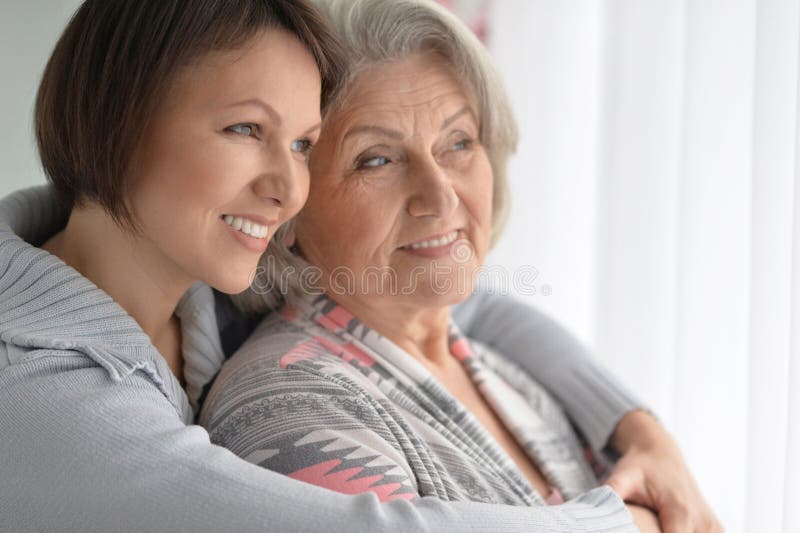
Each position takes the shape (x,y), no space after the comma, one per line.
(655,195)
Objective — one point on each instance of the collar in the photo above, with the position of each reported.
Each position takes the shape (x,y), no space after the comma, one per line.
(46,304)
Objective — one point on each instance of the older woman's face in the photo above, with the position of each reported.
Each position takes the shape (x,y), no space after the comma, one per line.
(401,188)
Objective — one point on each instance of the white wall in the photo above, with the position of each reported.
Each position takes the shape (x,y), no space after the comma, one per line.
(28,32)
(547,52)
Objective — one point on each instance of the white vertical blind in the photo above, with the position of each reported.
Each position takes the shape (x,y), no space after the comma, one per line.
(791,486)
(688,235)
(791,493)
(639,187)
(713,267)
(770,283)
(547,53)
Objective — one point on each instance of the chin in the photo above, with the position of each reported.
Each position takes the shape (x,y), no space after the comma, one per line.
(453,287)
(429,297)
(232,280)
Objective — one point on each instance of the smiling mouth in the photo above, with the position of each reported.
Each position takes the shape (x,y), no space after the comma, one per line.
(247,226)
(437,242)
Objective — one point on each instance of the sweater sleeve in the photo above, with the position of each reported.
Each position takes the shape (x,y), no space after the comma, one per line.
(80,452)
(592,397)
(312,428)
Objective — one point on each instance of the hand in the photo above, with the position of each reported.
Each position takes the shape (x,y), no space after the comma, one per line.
(652,473)
(644,518)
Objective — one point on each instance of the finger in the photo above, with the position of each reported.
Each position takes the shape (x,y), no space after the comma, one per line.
(629,482)
(709,523)
(675,518)
(621,484)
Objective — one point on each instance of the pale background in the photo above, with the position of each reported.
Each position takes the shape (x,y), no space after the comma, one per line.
(654,192)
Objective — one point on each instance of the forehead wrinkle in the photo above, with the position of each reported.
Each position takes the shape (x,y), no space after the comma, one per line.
(411,97)
(383,118)
(412,94)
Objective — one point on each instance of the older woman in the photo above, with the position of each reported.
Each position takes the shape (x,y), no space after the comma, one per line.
(362,382)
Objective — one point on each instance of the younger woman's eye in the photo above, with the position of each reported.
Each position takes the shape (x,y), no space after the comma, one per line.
(247,130)
(302,146)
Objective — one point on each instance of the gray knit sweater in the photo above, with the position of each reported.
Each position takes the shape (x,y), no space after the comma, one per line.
(96,434)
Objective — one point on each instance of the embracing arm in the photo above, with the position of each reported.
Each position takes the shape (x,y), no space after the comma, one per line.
(82,453)
(591,396)
(651,471)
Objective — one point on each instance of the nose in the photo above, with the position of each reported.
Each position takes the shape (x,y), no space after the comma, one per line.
(283,180)
(432,191)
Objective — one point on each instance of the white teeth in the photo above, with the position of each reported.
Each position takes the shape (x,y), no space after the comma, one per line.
(248,227)
(434,243)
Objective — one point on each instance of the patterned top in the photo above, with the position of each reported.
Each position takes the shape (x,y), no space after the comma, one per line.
(317,395)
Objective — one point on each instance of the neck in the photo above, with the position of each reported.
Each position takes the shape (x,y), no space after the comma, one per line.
(420,331)
(127,267)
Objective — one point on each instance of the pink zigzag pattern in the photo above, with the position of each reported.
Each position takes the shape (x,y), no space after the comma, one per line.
(344,481)
(305,350)
(310,349)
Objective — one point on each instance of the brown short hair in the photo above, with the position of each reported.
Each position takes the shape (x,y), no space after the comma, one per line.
(115,61)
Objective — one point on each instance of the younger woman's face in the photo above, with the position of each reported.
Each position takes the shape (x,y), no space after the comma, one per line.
(223,162)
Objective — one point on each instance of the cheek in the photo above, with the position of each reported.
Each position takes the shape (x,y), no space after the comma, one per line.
(181,187)
(480,193)
(375,211)
(305,191)
(213,174)
(179,171)
(349,220)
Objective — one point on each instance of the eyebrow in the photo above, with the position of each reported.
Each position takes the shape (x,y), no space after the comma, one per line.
(313,128)
(355,130)
(455,116)
(273,115)
(394,134)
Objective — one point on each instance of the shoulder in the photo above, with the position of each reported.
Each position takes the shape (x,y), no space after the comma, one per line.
(264,401)
(287,360)
(46,391)
(283,348)
(19,364)
(55,369)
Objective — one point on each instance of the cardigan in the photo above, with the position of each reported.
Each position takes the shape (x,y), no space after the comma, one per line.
(319,396)
(98,435)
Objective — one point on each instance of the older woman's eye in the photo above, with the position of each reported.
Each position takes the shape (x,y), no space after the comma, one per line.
(372,162)
(463,144)
(247,130)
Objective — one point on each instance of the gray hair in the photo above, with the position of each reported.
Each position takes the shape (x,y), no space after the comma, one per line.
(376,32)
